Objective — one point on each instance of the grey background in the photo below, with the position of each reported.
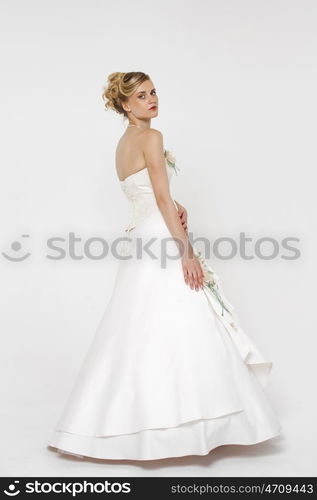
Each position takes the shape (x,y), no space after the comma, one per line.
(237,83)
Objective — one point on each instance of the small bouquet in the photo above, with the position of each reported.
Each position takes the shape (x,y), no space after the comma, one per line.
(211,283)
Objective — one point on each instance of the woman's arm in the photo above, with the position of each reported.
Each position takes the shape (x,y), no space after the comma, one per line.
(155,161)
(153,150)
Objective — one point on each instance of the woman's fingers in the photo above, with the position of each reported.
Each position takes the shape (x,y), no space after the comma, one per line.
(184,223)
(186,276)
(195,279)
(183,218)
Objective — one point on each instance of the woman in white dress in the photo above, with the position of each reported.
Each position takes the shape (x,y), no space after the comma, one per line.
(169,372)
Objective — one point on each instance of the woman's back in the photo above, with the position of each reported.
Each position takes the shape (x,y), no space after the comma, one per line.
(129,153)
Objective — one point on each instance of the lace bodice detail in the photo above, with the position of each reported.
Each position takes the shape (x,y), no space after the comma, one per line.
(139,191)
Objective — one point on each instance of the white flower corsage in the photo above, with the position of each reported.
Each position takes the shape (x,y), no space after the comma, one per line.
(171,160)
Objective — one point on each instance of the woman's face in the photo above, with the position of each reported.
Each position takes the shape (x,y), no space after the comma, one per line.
(142,101)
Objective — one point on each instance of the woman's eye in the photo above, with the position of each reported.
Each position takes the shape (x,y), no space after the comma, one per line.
(142,95)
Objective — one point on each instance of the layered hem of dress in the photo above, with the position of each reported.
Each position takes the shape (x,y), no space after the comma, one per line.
(250,424)
(196,437)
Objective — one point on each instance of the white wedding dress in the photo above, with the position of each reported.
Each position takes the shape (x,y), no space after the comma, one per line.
(169,371)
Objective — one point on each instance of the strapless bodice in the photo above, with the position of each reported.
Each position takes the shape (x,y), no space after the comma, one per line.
(139,191)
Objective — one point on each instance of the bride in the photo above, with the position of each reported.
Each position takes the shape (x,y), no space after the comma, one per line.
(169,372)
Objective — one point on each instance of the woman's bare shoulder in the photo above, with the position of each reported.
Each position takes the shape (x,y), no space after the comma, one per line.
(152,135)
(153,131)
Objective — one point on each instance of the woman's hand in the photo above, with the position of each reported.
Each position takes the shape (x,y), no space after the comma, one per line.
(193,273)
(182,212)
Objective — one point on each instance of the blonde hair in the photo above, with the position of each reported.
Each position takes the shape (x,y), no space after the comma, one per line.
(119,87)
